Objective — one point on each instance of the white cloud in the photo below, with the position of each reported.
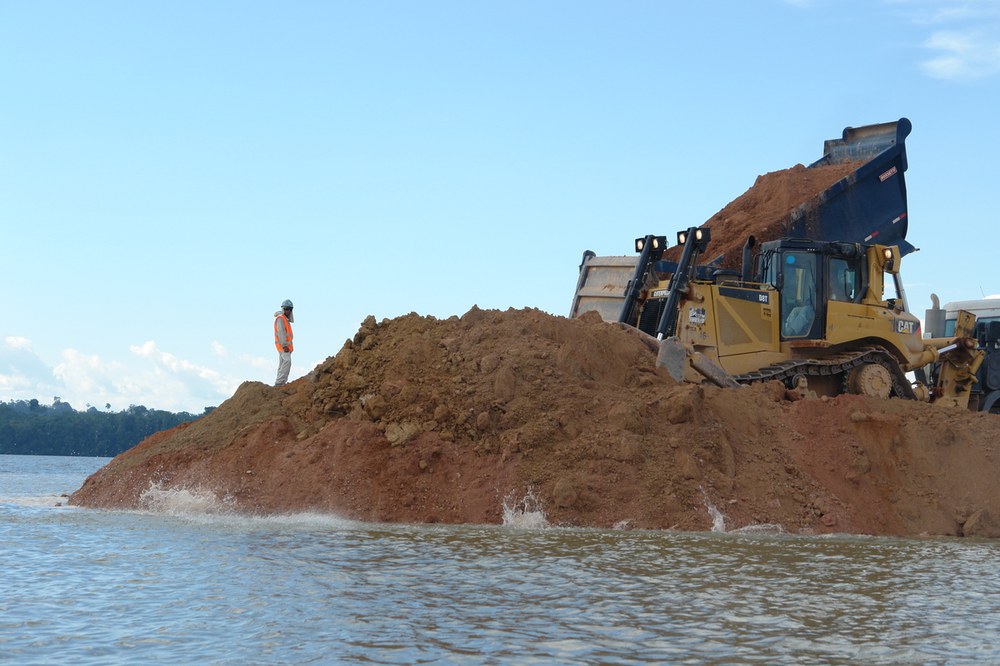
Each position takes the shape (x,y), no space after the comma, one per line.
(965,43)
(940,12)
(259,362)
(147,349)
(23,375)
(150,376)
(172,365)
(156,379)
(963,56)
(17,342)
(85,375)
(14,385)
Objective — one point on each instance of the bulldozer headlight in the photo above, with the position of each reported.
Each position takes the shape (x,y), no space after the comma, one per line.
(887,255)
(701,235)
(657,243)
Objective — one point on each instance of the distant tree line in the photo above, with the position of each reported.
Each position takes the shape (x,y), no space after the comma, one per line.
(28,427)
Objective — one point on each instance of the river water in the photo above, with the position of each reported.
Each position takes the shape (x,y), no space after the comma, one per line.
(192,583)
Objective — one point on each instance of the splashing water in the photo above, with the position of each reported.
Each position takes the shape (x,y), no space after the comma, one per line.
(762,528)
(526,512)
(718,520)
(182,501)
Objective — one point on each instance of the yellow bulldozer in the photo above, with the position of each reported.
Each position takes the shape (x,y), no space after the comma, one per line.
(811,314)
(806,306)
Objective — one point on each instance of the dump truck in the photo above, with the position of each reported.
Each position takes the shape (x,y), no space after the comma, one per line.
(807,305)
(940,321)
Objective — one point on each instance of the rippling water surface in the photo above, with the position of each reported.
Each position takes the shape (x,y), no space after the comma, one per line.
(191,584)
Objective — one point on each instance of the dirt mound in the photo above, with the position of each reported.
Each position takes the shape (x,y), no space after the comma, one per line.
(766,209)
(425,420)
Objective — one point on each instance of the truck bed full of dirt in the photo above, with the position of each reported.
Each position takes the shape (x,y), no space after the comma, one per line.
(765,209)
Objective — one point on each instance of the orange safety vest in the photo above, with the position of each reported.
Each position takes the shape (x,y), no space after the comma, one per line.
(288,333)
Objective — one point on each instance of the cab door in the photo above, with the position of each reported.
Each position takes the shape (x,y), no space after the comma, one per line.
(803,312)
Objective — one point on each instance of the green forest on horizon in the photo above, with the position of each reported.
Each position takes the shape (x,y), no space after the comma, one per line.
(30,428)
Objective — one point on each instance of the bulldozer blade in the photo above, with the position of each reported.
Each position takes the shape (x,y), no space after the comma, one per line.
(713,372)
(671,359)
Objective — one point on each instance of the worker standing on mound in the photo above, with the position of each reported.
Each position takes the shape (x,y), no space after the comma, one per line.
(283,341)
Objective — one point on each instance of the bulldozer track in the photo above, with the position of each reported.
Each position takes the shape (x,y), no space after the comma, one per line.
(838,364)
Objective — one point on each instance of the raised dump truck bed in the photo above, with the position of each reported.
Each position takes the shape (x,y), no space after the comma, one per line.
(867,205)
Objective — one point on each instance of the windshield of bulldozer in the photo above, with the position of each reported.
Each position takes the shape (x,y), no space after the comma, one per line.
(798,293)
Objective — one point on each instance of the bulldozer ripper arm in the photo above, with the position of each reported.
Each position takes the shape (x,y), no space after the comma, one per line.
(959,363)
(958,350)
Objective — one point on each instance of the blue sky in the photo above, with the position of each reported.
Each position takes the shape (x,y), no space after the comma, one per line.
(171,171)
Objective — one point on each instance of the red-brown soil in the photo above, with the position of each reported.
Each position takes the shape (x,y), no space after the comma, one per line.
(765,210)
(425,420)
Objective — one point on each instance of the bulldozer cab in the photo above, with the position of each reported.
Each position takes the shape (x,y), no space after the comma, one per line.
(808,275)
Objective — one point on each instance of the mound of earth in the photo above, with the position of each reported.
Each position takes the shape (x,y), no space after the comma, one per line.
(425,420)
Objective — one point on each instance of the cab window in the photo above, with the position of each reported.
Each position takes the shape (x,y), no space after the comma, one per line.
(798,289)
(844,281)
